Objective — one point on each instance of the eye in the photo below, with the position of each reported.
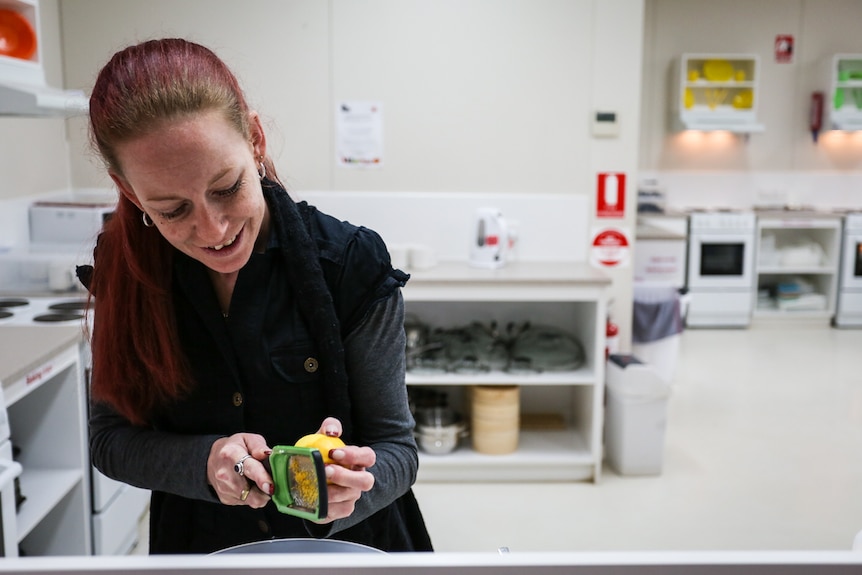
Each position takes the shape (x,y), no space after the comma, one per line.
(173,214)
(230,191)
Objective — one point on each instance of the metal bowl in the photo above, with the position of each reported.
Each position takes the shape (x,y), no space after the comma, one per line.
(438,430)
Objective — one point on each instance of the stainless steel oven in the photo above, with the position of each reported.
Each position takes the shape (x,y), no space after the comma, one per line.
(720,271)
(848,312)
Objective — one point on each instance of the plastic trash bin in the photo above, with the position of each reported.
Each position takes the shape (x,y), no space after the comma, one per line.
(657,322)
(635,416)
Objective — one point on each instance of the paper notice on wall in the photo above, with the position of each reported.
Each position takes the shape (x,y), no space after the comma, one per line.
(610,248)
(359,134)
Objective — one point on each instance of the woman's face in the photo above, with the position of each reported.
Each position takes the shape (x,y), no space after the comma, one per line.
(197,179)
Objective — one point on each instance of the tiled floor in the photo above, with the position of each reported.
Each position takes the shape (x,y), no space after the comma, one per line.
(763,451)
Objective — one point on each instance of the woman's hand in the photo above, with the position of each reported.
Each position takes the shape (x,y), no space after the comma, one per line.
(349,478)
(235,471)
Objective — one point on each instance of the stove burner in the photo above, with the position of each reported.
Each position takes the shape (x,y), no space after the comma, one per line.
(72,305)
(13,302)
(5,313)
(56,317)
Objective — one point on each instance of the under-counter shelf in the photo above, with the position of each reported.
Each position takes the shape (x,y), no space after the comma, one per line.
(42,379)
(541,456)
(567,295)
(797,268)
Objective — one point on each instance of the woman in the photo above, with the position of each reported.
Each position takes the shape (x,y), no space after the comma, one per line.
(229,319)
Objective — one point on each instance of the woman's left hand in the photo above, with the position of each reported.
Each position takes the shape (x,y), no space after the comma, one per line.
(349,478)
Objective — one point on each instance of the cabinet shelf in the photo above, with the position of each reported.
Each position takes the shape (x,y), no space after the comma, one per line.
(725,100)
(541,456)
(44,489)
(580,377)
(797,249)
(567,295)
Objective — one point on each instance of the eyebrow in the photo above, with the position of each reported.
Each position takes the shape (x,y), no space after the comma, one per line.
(218,176)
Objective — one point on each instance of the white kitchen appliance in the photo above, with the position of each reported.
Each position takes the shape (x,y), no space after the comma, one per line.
(848,312)
(720,274)
(490,243)
(117,507)
(67,225)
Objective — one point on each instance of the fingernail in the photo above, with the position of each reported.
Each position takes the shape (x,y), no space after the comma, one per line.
(268,488)
(336,454)
(331,432)
(267,452)
(329,471)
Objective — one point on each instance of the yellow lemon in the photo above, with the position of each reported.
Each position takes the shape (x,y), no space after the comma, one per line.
(324,443)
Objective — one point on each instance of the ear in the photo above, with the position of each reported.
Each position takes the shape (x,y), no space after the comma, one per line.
(126,189)
(258,137)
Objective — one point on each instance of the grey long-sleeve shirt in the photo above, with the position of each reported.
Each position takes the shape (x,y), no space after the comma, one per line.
(176,463)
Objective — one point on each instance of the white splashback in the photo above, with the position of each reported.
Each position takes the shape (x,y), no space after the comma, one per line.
(550,226)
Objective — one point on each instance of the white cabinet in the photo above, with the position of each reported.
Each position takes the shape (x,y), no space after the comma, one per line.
(568,295)
(843,104)
(718,92)
(46,406)
(798,259)
(16,69)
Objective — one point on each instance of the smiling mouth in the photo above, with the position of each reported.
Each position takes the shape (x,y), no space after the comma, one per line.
(224,245)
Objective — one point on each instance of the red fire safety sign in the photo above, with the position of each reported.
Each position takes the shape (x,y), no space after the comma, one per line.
(784,48)
(611,195)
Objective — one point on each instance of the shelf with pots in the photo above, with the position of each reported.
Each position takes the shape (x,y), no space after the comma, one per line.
(559,431)
(717,92)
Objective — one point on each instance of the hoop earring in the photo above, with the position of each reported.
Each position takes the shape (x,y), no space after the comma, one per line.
(147,221)
(262,171)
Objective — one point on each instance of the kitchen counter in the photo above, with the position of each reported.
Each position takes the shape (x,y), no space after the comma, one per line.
(24,349)
(649,232)
(513,272)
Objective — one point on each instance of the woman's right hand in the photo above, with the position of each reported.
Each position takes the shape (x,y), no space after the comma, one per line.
(254,487)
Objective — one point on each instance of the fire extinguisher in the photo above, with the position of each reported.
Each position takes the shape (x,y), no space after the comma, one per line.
(612,338)
(815,123)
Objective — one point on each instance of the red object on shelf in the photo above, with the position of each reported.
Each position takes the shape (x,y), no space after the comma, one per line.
(17,36)
(612,338)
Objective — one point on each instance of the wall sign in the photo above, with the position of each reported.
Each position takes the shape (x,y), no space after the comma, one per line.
(611,195)
(359,134)
(610,247)
(784,48)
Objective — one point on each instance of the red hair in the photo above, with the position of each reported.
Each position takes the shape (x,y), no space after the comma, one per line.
(138,364)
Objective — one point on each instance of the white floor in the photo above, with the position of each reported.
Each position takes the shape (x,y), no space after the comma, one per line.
(763,451)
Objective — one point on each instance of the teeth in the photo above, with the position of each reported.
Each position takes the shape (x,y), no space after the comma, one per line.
(232,240)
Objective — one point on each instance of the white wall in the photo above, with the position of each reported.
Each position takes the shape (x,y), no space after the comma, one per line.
(34,156)
(479,96)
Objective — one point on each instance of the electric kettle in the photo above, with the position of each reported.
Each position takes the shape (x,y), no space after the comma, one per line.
(490,243)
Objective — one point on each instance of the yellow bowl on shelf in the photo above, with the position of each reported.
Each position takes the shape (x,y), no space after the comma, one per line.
(743,100)
(717,70)
(688,99)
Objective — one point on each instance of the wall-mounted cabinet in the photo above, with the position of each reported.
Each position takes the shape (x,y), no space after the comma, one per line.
(717,92)
(798,259)
(566,295)
(23,89)
(843,104)
(14,68)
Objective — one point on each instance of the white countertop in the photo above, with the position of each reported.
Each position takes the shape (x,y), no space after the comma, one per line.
(24,348)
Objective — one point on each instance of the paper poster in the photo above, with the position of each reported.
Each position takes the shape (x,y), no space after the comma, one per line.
(359,134)
(610,247)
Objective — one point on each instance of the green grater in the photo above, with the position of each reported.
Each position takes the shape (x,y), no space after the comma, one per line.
(299,476)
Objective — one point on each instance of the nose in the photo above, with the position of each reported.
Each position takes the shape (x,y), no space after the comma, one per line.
(210,224)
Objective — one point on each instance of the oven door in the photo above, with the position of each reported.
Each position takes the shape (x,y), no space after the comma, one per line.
(851,264)
(722,260)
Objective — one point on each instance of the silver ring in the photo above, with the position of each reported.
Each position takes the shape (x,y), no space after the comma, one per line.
(239,467)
